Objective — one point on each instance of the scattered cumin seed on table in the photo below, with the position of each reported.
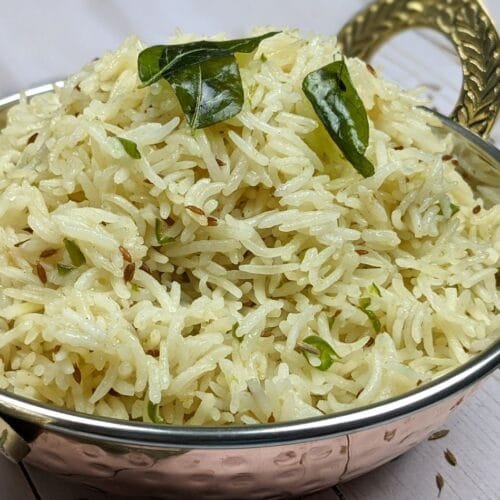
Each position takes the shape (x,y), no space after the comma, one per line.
(438,434)
(450,457)
(439,483)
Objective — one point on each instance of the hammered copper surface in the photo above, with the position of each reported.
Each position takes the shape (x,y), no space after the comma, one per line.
(273,471)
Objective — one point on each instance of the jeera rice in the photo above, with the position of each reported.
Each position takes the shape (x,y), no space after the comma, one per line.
(180,283)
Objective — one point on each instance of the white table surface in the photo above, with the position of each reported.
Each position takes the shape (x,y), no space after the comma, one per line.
(44,40)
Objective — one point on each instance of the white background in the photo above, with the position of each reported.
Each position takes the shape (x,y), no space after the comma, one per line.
(45,40)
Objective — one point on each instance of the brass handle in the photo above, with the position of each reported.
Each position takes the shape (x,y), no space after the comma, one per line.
(465,22)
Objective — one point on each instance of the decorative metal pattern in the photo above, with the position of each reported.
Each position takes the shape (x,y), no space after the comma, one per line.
(465,23)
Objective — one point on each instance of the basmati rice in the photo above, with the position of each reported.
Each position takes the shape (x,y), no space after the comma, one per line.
(275,238)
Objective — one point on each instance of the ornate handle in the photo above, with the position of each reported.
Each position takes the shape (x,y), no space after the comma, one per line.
(465,22)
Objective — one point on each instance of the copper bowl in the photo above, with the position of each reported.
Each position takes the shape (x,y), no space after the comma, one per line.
(286,459)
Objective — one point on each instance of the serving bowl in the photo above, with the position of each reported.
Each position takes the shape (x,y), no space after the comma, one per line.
(284,459)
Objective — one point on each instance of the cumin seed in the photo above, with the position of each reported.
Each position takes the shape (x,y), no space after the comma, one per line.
(438,434)
(398,148)
(77,374)
(195,210)
(19,243)
(303,347)
(32,138)
(28,229)
(40,271)
(125,254)
(476,209)
(266,333)
(370,342)
(450,457)
(371,69)
(439,483)
(446,157)
(220,162)
(360,251)
(455,162)
(128,272)
(169,221)
(212,221)
(48,253)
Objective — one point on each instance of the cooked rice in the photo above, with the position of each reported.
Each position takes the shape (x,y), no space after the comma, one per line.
(296,238)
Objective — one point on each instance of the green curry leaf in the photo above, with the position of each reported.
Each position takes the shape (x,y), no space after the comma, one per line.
(204,75)
(162,61)
(341,110)
(210,92)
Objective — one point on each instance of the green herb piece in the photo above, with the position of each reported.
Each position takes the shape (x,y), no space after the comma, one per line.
(161,228)
(450,457)
(75,254)
(438,434)
(325,351)
(233,333)
(204,75)
(162,61)
(439,483)
(454,209)
(209,93)
(135,287)
(63,269)
(364,304)
(130,148)
(341,110)
(263,58)
(154,413)
(376,290)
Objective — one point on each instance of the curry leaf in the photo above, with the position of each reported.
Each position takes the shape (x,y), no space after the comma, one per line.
(210,92)
(75,254)
(341,110)
(130,148)
(162,61)
(325,351)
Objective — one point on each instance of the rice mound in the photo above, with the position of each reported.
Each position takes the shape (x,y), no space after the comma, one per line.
(275,238)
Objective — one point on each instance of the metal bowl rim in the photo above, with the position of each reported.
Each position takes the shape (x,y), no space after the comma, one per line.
(83,426)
